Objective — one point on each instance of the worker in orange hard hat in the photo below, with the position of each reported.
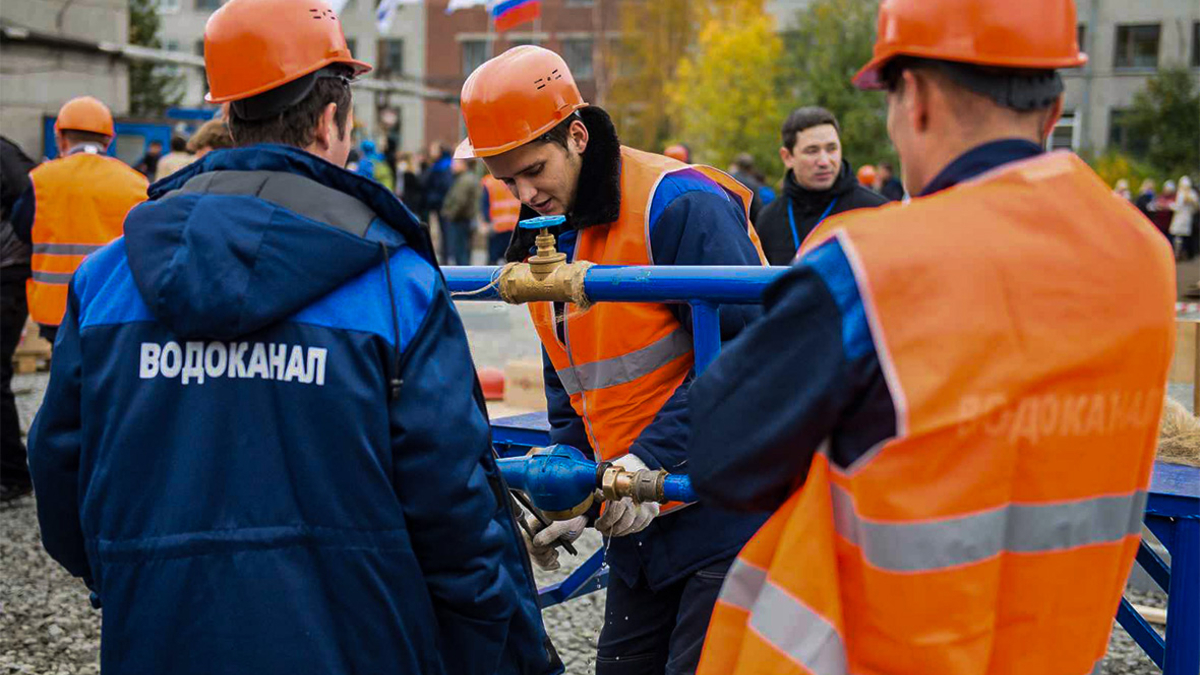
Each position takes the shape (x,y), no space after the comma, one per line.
(950,406)
(261,445)
(617,376)
(74,205)
(866,176)
(680,152)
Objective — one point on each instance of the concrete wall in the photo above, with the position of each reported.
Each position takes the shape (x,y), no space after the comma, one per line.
(183,29)
(35,81)
(1098,88)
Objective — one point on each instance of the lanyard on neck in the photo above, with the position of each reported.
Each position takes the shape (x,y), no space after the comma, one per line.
(792,220)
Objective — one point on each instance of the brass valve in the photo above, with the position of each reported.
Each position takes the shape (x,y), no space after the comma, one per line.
(548,258)
(645,485)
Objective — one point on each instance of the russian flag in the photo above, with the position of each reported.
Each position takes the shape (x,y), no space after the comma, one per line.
(511,13)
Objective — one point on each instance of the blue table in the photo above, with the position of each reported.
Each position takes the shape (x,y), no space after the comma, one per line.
(1172,514)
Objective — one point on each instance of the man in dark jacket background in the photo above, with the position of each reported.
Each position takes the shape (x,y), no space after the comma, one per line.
(818,184)
(14,270)
(263,445)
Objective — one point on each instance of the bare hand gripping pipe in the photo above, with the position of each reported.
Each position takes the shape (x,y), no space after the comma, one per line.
(563,483)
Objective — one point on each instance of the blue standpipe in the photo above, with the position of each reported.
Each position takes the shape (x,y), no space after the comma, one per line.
(562,482)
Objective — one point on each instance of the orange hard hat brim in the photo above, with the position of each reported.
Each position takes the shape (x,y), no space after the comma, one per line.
(870,76)
(466,150)
(359,67)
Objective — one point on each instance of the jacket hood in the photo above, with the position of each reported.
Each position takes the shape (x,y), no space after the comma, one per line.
(248,236)
(598,197)
(818,199)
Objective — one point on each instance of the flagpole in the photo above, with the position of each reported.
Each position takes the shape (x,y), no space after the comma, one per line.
(491,31)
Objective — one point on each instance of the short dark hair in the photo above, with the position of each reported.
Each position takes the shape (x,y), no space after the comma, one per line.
(560,132)
(1021,90)
(154,143)
(806,118)
(296,125)
(887,166)
(213,134)
(75,137)
(178,144)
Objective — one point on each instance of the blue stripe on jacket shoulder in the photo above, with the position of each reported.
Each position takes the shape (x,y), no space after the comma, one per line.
(677,183)
(106,291)
(362,304)
(829,261)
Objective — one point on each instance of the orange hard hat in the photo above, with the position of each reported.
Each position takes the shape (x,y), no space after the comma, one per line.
(866,175)
(491,380)
(254,46)
(1025,34)
(678,152)
(85,114)
(514,98)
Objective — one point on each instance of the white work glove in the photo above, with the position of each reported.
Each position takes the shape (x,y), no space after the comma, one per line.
(624,517)
(543,548)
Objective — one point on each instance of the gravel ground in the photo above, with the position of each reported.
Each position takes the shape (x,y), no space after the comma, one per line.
(47,625)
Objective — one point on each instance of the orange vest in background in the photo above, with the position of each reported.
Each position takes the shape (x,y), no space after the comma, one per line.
(1024,322)
(620,362)
(504,209)
(80,205)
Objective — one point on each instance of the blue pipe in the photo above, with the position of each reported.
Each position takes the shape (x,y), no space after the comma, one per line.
(557,480)
(706,333)
(678,488)
(606,283)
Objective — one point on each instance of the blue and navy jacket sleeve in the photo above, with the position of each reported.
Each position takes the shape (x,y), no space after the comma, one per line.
(693,221)
(56,435)
(806,374)
(461,524)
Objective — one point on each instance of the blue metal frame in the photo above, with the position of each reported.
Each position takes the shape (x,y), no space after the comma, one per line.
(1172,510)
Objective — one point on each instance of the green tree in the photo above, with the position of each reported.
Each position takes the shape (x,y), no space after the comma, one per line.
(655,33)
(1165,119)
(726,97)
(152,87)
(830,41)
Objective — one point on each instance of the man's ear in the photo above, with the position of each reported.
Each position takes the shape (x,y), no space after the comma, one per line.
(578,136)
(327,131)
(916,98)
(785,156)
(1051,119)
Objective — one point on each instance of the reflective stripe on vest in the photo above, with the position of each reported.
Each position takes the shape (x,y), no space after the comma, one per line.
(67,249)
(995,532)
(628,367)
(1015,528)
(787,623)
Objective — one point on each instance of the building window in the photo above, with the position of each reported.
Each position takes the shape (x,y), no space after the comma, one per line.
(1119,136)
(579,3)
(578,54)
(169,6)
(1066,133)
(391,56)
(1196,44)
(522,41)
(1137,46)
(207,5)
(474,53)
(352,45)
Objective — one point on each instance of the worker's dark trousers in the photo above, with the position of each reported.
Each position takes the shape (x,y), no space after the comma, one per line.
(646,632)
(13,468)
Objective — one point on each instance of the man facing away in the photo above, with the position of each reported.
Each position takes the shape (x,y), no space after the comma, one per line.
(263,445)
(951,406)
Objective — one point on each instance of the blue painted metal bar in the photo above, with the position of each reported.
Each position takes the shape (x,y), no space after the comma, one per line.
(604,283)
(1154,566)
(706,333)
(1141,632)
(1163,527)
(591,576)
(1183,601)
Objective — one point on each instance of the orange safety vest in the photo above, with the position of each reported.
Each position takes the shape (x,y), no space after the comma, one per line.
(620,362)
(503,208)
(80,203)
(1024,324)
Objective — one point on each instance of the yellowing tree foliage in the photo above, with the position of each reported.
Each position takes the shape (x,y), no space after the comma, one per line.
(726,97)
(655,33)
